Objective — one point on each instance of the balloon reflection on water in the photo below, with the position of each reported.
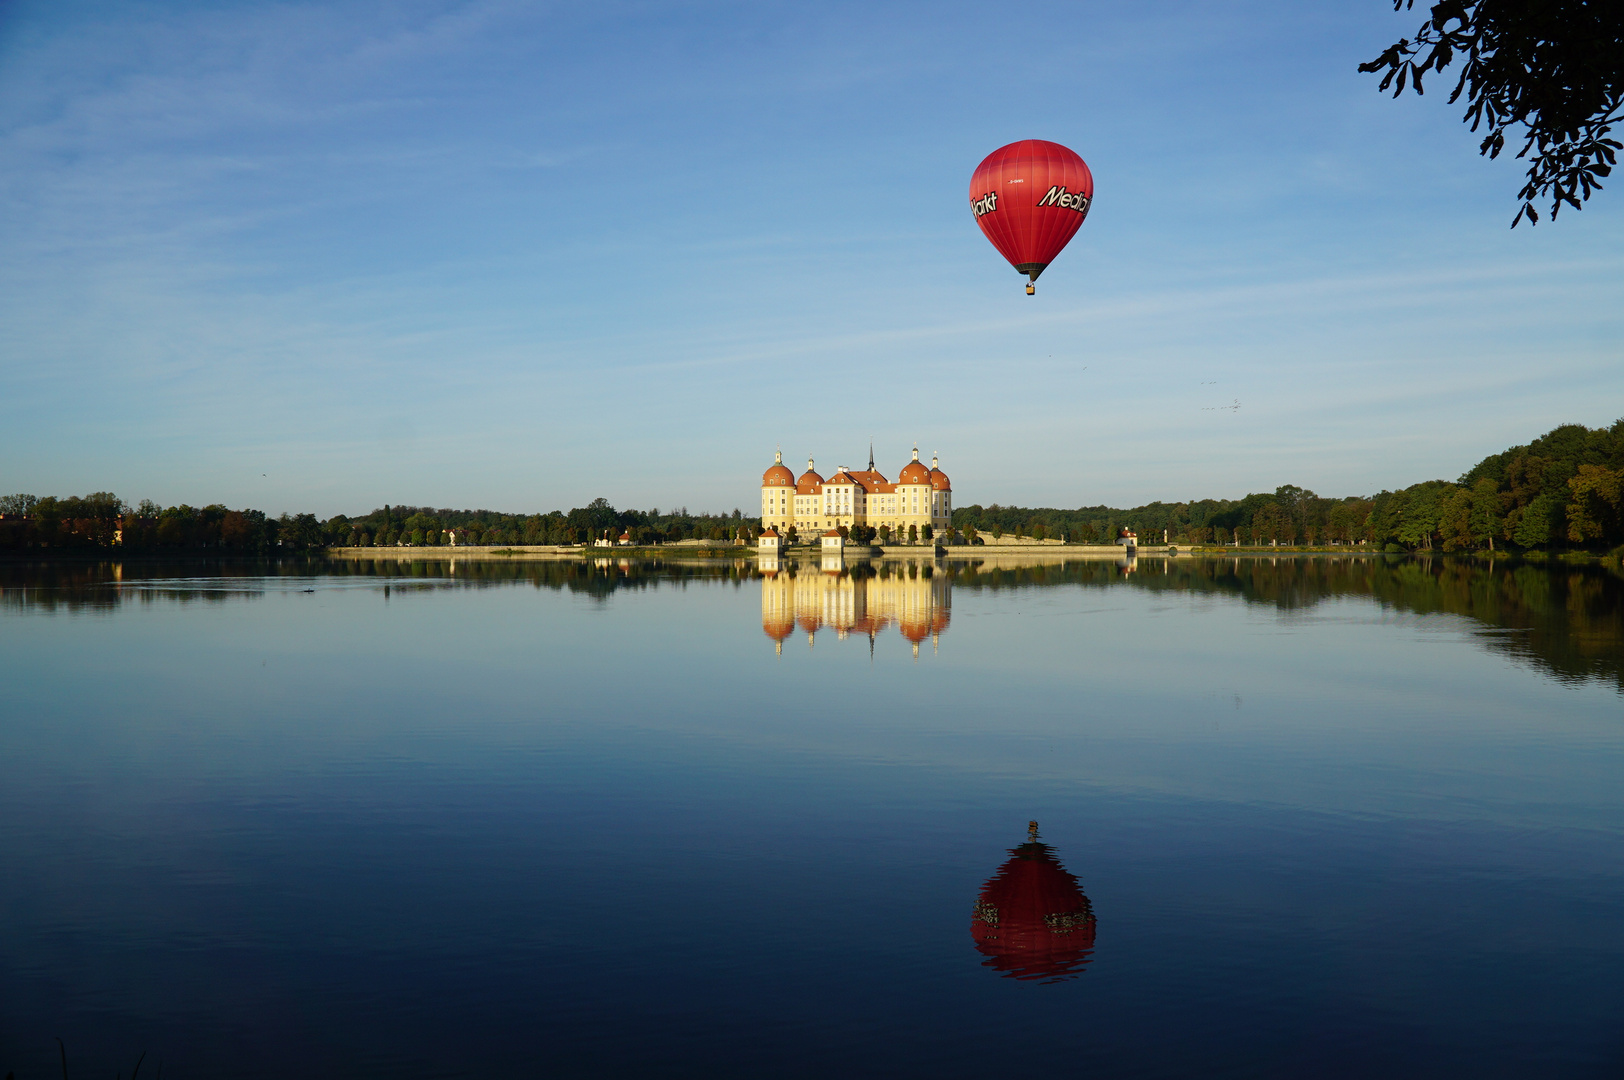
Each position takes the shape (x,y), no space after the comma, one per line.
(1032,921)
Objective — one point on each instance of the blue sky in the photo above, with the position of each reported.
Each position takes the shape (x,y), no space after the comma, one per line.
(322,256)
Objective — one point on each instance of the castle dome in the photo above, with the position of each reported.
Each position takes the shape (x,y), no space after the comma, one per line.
(938,478)
(809,482)
(914,628)
(914,472)
(778,475)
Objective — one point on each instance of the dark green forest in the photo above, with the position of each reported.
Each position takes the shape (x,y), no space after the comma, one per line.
(1562,490)
(103,520)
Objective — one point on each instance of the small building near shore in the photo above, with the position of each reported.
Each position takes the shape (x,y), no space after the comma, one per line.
(833,541)
(769,542)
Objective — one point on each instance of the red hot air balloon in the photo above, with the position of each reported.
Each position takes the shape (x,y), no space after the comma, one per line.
(1032,920)
(1030,198)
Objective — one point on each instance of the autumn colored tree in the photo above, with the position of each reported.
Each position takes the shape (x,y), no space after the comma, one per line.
(1486,521)
(1266,522)
(1455,520)
(236,531)
(1595,513)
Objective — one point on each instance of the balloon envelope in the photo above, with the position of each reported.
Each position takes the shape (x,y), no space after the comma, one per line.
(1030,198)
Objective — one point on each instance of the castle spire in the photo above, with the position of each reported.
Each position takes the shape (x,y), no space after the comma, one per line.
(916,451)
(871,454)
(778,456)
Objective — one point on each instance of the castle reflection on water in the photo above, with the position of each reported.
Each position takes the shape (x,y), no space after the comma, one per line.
(854,598)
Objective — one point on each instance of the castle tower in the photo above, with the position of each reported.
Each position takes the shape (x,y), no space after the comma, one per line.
(777,495)
(941,497)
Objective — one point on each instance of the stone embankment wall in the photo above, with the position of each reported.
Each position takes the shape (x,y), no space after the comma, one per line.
(533,551)
(1060,551)
(1047,549)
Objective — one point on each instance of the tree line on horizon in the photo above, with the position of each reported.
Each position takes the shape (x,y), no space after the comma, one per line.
(1563,489)
(422,526)
(103,520)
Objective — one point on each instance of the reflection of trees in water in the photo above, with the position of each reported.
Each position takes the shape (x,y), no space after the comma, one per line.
(592,577)
(74,586)
(86,585)
(1565,619)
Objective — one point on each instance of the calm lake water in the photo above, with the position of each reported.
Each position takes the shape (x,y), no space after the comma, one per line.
(1298,817)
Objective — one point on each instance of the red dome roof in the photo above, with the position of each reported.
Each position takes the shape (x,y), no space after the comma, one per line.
(914,472)
(939,480)
(808,484)
(778,475)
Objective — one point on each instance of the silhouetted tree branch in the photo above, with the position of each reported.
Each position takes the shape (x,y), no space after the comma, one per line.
(1549,66)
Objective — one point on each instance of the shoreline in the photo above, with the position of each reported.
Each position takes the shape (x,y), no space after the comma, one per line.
(995,553)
